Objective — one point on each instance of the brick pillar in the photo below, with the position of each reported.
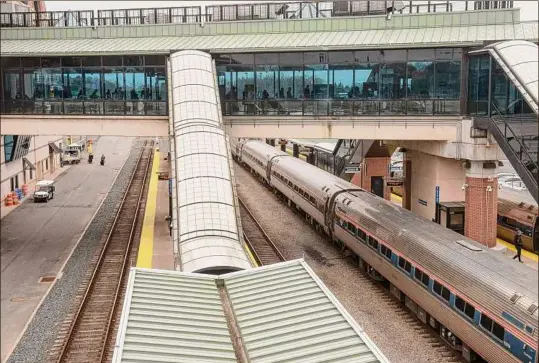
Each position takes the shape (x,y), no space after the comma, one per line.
(481,201)
(407,187)
(373,167)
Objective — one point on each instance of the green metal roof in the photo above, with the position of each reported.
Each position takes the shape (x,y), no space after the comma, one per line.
(469,35)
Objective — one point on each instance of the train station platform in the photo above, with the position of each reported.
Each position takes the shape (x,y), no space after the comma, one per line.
(39,239)
(156,248)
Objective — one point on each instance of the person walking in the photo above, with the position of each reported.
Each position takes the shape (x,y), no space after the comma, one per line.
(518,244)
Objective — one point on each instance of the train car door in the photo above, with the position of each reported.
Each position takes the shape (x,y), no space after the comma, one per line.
(377,185)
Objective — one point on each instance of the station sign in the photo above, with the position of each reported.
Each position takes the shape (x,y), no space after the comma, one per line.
(394,183)
(352,169)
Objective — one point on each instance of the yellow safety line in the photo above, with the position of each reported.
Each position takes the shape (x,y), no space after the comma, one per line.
(395,198)
(527,254)
(145,251)
(301,156)
(250,254)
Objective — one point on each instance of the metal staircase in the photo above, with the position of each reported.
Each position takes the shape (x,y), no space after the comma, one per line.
(518,138)
(349,152)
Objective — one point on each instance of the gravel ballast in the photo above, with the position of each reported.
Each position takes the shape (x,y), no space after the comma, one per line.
(398,335)
(42,331)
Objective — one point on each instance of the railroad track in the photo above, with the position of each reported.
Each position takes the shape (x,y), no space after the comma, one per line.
(85,335)
(263,248)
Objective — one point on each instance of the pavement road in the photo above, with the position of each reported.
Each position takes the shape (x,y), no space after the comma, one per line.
(38,238)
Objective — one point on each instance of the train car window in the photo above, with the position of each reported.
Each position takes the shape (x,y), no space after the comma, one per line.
(290,184)
(437,288)
(362,235)
(446,294)
(498,331)
(404,264)
(425,279)
(418,274)
(313,201)
(296,187)
(460,304)
(486,322)
(469,311)
(373,243)
(386,251)
(422,277)
(352,228)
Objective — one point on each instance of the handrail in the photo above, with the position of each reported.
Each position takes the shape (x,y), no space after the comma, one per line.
(523,147)
(226,13)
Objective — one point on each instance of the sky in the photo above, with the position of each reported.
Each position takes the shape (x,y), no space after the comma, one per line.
(529,9)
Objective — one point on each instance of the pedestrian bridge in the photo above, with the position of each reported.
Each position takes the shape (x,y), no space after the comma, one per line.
(436,128)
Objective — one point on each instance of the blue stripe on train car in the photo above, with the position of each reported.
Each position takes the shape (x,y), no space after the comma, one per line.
(518,348)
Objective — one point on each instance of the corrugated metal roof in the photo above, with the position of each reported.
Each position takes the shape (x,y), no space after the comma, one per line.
(282,312)
(381,38)
(172,317)
(286,314)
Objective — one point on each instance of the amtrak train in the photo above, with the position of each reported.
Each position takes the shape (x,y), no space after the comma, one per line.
(481,302)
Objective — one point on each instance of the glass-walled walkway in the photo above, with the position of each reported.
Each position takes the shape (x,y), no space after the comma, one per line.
(111,85)
(386,82)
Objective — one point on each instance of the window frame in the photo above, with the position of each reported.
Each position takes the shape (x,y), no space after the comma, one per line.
(387,249)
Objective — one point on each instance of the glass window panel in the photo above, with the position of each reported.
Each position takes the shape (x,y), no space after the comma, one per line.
(425,279)
(266,58)
(341,57)
(71,62)
(155,60)
(420,82)
(91,61)
(245,79)
(73,88)
(12,84)
(10,62)
(50,62)
(267,82)
(315,57)
(92,84)
(469,311)
(498,331)
(30,62)
(437,288)
(366,79)
(155,84)
(242,59)
(50,79)
(291,58)
(30,84)
(316,81)
(134,83)
(420,54)
(446,294)
(113,61)
(368,56)
(393,55)
(447,80)
(392,81)
(341,82)
(459,303)
(444,53)
(114,84)
(291,81)
(133,61)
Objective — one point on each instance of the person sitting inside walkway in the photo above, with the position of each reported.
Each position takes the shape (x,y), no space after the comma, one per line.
(518,244)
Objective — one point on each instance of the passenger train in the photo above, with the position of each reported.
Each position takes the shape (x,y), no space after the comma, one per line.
(481,302)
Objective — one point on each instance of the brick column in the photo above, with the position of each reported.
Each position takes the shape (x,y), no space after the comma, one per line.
(373,167)
(481,200)
(407,187)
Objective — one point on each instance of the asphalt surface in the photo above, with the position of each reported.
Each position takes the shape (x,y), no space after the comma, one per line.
(38,238)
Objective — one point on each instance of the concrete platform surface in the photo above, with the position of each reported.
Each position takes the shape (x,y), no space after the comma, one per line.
(37,239)
(156,250)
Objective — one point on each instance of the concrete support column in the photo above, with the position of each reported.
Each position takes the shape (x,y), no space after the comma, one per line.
(481,201)
(295,150)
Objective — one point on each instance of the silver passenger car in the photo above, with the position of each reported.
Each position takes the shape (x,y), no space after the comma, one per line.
(484,299)
(209,232)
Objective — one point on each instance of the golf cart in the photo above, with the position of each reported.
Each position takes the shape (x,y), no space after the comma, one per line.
(44,191)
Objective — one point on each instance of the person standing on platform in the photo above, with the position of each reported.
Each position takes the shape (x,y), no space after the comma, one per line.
(518,244)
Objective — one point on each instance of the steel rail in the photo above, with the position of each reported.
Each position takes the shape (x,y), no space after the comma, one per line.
(99,263)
